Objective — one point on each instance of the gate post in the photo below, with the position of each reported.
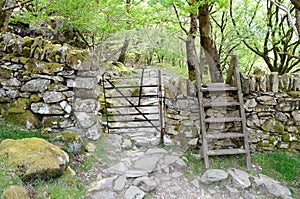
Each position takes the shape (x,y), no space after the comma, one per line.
(160,98)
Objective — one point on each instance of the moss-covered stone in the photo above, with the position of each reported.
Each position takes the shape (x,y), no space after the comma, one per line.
(294,93)
(70,136)
(33,66)
(272,139)
(274,126)
(49,121)
(34,98)
(74,58)
(22,117)
(15,192)
(23,103)
(26,52)
(34,157)
(28,42)
(295,145)
(286,137)
(5,73)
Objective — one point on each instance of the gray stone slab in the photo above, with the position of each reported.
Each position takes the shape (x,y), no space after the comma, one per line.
(135,173)
(148,162)
(104,195)
(120,183)
(240,178)
(119,168)
(145,183)
(213,175)
(134,192)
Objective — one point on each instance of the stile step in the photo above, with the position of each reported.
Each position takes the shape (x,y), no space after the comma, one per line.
(211,104)
(223,120)
(224,135)
(226,151)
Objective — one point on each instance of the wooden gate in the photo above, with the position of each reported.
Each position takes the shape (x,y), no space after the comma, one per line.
(133,103)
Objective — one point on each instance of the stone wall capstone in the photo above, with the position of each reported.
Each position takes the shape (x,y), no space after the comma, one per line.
(49,85)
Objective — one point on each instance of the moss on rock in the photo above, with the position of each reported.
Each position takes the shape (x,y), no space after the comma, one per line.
(16,113)
(33,66)
(286,137)
(15,192)
(5,73)
(70,136)
(34,98)
(274,126)
(23,103)
(34,157)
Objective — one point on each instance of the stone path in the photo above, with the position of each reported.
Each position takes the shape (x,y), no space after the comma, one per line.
(136,171)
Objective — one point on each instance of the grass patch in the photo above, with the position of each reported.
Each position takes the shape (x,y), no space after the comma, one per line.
(65,187)
(9,131)
(7,176)
(279,165)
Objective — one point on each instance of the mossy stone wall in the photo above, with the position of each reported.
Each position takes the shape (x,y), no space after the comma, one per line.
(40,81)
(271,103)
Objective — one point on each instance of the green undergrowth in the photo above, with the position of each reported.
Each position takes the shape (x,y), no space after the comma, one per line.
(60,188)
(63,187)
(9,131)
(282,167)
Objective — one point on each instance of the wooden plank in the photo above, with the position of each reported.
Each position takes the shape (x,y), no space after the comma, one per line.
(220,89)
(200,63)
(224,135)
(211,104)
(223,120)
(226,151)
(242,112)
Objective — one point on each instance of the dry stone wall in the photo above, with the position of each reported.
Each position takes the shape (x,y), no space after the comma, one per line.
(272,108)
(48,85)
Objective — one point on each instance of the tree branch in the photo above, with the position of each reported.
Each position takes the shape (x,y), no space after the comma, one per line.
(19,4)
(177,15)
(285,9)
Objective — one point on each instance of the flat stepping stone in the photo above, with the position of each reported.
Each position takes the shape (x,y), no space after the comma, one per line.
(148,162)
(213,175)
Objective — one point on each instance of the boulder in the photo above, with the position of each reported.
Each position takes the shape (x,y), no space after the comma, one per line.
(15,192)
(34,157)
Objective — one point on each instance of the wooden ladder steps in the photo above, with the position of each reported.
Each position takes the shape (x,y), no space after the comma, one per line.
(223,120)
(224,135)
(226,151)
(232,96)
(211,104)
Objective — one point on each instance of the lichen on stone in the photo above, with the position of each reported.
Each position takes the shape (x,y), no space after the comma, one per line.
(34,157)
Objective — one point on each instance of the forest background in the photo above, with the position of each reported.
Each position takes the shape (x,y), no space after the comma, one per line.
(263,33)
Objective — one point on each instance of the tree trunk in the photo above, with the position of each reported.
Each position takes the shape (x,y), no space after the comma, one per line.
(122,56)
(208,44)
(190,47)
(298,21)
(191,57)
(4,15)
